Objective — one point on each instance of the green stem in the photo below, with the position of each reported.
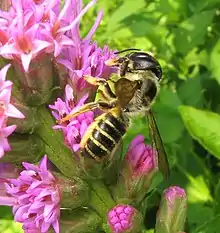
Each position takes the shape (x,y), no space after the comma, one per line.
(56,150)
(101,199)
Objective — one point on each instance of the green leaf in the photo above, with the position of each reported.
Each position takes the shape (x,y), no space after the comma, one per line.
(211,226)
(214,61)
(169,124)
(150,231)
(198,214)
(191,93)
(200,5)
(192,31)
(199,201)
(169,99)
(9,226)
(198,190)
(217,198)
(204,126)
(126,9)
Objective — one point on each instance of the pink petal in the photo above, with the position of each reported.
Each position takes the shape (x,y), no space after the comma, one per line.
(7,201)
(137,140)
(12,111)
(56,226)
(45,226)
(8,130)
(4,71)
(94,28)
(77,19)
(26,60)
(43,163)
(57,48)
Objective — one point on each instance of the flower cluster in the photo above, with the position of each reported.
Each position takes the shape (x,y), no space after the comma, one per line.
(6,110)
(35,198)
(32,29)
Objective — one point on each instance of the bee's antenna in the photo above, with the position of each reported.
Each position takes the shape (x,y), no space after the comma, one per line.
(125,50)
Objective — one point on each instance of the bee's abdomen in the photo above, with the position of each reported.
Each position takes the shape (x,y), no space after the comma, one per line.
(104,137)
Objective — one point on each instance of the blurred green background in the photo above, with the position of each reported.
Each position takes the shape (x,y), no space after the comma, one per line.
(184,36)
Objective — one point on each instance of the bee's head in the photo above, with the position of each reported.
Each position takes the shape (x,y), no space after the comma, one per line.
(135,62)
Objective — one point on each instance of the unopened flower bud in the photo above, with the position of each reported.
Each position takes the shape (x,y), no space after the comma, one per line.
(7,170)
(74,192)
(140,164)
(39,82)
(79,221)
(171,216)
(24,147)
(124,218)
(106,168)
(31,118)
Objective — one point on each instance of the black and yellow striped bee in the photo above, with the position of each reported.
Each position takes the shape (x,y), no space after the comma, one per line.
(141,67)
(135,91)
(103,135)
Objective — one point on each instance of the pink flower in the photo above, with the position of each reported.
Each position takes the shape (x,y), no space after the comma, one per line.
(84,57)
(21,42)
(74,129)
(6,110)
(35,198)
(120,218)
(29,28)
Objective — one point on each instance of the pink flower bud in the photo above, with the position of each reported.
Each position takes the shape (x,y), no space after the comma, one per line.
(171,216)
(124,218)
(80,221)
(38,83)
(26,147)
(139,166)
(141,158)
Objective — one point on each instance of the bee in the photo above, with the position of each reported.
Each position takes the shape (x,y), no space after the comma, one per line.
(143,68)
(104,134)
(135,91)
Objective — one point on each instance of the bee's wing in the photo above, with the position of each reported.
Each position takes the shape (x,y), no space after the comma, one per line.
(158,144)
(112,170)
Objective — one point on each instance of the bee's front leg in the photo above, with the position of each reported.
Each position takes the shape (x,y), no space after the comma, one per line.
(105,106)
(100,82)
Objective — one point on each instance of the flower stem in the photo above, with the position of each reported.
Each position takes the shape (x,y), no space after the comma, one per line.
(56,150)
(101,199)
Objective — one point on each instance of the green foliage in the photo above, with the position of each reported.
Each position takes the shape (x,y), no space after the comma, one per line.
(204,127)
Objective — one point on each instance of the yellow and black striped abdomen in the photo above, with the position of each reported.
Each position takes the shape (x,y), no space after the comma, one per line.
(104,137)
